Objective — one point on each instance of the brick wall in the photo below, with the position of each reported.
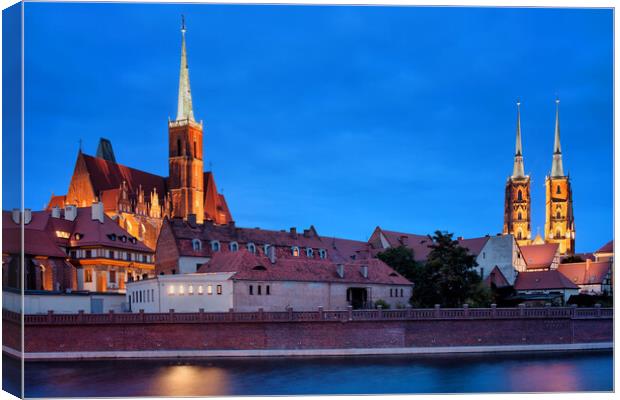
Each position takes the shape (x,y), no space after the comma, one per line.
(202,334)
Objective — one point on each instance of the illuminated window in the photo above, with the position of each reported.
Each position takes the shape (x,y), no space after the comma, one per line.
(171,289)
(181,289)
(252,248)
(215,245)
(233,246)
(190,289)
(88,275)
(209,289)
(219,289)
(196,245)
(200,291)
(64,235)
(295,251)
(309,252)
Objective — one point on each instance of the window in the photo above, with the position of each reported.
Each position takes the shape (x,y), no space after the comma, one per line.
(178,147)
(88,254)
(171,289)
(219,289)
(557,190)
(190,289)
(200,290)
(251,290)
(195,152)
(295,251)
(519,195)
(558,234)
(322,253)
(196,245)
(401,292)
(112,276)
(233,246)
(259,290)
(140,296)
(266,249)
(391,294)
(519,235)
(519,216)
(181,289)
(209,289)
(309,252)
(267,292)
(252,248)
(88,275)
(558,215)
(152,294)
(215,245)
(484,255)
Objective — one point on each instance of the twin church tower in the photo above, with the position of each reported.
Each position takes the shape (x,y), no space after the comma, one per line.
(559,219)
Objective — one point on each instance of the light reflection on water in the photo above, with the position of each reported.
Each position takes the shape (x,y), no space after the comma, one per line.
(335,375)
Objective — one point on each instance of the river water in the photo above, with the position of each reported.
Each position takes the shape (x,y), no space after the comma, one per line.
(530,372)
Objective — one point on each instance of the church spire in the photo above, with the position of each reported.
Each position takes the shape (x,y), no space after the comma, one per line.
(184,110)
(557,169)
(518,171)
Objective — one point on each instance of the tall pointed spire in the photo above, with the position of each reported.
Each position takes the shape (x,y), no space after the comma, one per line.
(184,110)
(518,171)
(557,170)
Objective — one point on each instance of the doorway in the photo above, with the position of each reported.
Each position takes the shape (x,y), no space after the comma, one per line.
(357,297)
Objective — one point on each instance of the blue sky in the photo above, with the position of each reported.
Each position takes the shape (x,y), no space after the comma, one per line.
(342,117)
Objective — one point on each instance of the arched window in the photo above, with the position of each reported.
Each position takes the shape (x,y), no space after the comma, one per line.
(519,216)
(266,249)
(178,147)
(252,248)
(519,235)
(558,215)
(519,195)
(195,153)
(215,245)
(558,234)
(557,190)
(322,253)
(295,251)
(233,246)
(309,252)
(196,245)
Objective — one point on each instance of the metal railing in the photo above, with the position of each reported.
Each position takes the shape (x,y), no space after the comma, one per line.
(290,315)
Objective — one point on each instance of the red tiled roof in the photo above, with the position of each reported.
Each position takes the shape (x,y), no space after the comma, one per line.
(252,267)
(347,250)
(106,175)
(542,280)
(607,247)
(474,245)
(57,201)
(584,273)
(538,256)
(497,278)
(37,242)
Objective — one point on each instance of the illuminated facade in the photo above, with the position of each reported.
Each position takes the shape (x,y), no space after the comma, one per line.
(559,219)
(517,220)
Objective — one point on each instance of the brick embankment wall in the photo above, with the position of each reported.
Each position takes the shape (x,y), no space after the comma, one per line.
(180,332)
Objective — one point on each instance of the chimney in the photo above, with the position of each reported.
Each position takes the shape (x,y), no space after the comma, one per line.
(272,254)
(364,271)
(96,211)
(70,212)
(459,238)
(307,233)
(55,212)
(16,216)
(191,220)
(293,231)
(340,270)
(27,216)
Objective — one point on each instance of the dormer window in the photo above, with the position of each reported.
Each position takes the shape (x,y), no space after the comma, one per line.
(295,251)
(266,249)
(322,253)
(196,245)
(309,252)
(252,248)
(64,235)
(132,240)
(112,237)
(233,246)
(78,236)
(215,245)
(123,238)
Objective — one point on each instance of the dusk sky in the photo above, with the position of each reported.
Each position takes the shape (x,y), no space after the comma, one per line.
(341,117)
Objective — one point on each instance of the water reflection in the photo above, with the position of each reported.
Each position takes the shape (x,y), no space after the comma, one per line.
(356,375)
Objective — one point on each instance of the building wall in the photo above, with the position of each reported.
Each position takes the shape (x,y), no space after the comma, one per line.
(503,252)
(310,335)
(181,293)
(189,265)
(310,295)
(60,303)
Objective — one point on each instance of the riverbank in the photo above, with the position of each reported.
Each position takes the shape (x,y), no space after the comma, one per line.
(207,354)
(306,333)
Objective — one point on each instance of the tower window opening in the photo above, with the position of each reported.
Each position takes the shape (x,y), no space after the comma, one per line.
(519,235)
(519,217)
(519,195)
(557,190)
(558,234)
(178,147)
(195,152)
(558,215)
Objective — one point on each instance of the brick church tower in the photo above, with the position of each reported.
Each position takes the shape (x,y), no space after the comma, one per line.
(559,219)
(517,201)
(185,155)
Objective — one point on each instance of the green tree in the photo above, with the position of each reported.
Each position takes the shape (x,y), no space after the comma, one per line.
(452,268)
